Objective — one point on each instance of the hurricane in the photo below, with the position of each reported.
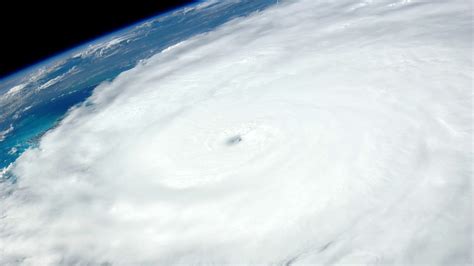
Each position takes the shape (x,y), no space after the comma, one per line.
(308,133)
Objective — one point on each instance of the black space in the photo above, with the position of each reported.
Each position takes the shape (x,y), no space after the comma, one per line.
(32,31)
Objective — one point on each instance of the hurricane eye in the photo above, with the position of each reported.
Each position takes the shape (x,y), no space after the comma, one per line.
(234,140)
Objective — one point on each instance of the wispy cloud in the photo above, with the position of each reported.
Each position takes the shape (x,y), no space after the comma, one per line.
(5,132)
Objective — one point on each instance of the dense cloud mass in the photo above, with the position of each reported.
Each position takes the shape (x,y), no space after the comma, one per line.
(315,132)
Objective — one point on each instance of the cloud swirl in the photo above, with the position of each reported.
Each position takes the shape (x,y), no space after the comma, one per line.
(314,132)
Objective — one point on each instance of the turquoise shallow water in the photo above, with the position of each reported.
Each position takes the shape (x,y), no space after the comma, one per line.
(50,89)
(35,122)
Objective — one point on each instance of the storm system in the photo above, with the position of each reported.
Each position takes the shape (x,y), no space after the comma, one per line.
(309,133)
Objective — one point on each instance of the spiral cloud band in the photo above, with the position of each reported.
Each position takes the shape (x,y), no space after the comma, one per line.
(314,132)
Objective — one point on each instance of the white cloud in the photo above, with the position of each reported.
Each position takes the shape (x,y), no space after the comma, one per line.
(4,133)
(14,90)
(100,49)
(355,127)
(57,79)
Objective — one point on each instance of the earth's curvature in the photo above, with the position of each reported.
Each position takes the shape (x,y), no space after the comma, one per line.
(252,132)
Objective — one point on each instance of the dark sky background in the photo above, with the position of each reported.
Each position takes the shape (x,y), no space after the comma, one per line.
(32,31)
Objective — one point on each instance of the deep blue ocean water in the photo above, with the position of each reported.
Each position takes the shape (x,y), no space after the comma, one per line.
(48,90)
